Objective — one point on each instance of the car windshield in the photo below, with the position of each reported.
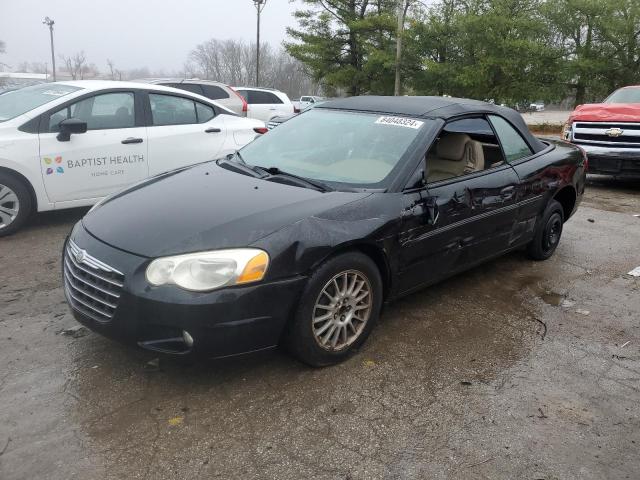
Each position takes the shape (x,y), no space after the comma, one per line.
(357,149)
(17,102)
(624,95)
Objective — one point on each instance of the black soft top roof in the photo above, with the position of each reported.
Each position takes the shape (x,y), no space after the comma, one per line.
(445,108)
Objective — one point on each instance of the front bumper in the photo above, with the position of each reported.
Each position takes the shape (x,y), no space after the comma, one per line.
(222,323)
(609,160)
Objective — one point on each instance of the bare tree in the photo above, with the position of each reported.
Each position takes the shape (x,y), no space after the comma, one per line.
(74,65)
(112,69)
(3,48)
(234,62)
(114,73)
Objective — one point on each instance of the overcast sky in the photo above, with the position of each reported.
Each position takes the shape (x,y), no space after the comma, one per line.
(158,34)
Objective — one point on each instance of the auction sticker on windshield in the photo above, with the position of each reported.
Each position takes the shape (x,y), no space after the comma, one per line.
(400,122)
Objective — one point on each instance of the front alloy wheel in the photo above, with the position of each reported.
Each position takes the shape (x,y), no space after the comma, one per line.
(342,310)
(337,310)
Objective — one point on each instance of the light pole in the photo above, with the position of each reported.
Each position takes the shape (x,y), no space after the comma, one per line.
(402,10)
(49,22)
(259,4)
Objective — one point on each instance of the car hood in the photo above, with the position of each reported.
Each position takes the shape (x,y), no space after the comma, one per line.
(607,112)
(203,208)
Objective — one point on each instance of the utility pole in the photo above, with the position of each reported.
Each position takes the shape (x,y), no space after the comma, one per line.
(49,22)
(259,4)
(402,10)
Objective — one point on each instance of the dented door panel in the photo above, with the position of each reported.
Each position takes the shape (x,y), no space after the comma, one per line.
(451,225)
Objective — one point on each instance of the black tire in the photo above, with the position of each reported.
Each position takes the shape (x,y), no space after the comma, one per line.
(300,339)
(24,203)
(548,232)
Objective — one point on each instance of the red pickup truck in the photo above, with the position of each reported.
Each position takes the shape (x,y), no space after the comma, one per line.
(609,132)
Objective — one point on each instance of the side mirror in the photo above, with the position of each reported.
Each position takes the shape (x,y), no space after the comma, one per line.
(69,126)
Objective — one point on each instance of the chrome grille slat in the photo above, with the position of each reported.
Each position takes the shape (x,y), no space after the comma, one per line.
(91,296)
(81,302)
(80,279)
(596,133)
(93,287)
(89,313)
(104,279)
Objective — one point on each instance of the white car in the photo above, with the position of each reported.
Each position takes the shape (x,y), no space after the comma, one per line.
(265,103)
(69,144)
(537,107)
(307,100)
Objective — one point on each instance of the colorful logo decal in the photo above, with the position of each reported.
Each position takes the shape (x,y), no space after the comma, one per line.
(49,161)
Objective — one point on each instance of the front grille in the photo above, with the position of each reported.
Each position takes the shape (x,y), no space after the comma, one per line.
(600,133)
(93,287)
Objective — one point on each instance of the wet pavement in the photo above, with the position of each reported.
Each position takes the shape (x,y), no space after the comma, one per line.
(515,369)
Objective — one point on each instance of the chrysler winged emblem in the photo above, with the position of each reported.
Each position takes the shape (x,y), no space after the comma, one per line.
(614,132)
(80,256)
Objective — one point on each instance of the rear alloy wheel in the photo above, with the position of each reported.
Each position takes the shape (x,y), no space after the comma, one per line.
(337,310)
(548,232)
(15,204)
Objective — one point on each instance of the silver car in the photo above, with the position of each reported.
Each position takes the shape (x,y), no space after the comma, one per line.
(221,93)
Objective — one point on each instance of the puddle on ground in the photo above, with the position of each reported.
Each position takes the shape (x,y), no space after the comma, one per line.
(552,298)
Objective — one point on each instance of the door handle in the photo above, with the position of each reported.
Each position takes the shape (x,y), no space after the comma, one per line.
(272,108)
(126,141)
(212,130)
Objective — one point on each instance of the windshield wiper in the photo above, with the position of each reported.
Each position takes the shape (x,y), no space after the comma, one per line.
(275,171)
(241,165)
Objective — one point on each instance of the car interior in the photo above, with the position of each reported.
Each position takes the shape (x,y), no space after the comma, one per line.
(463,147)
(112,111)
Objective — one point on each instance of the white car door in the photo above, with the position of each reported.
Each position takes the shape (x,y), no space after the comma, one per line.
(182,132)
(110,155)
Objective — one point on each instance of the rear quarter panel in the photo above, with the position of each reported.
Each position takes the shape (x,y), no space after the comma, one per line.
(542,176)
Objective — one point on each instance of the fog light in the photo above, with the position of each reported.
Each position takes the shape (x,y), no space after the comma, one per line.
(188,339)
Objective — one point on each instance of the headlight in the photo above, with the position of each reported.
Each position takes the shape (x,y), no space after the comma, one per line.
(205,271)
(566,131)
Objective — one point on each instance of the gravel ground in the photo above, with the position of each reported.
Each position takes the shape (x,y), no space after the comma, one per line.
(514,370)
(548,117)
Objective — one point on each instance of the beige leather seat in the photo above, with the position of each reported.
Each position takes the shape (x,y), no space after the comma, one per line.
(456,154)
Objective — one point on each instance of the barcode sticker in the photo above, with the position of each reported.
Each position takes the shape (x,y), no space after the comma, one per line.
(400,122)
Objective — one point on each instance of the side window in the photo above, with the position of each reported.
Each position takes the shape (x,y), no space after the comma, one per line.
(273,98)
(244,94)
(189,87)
(262,98)
(204,112)
(512,142)
(463,147)
(214,92)
(106,111)
(170,110)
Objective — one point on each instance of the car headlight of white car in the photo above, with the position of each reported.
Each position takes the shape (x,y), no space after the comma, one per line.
(206,271)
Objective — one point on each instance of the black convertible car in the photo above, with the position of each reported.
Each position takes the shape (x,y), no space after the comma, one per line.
(287,244)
